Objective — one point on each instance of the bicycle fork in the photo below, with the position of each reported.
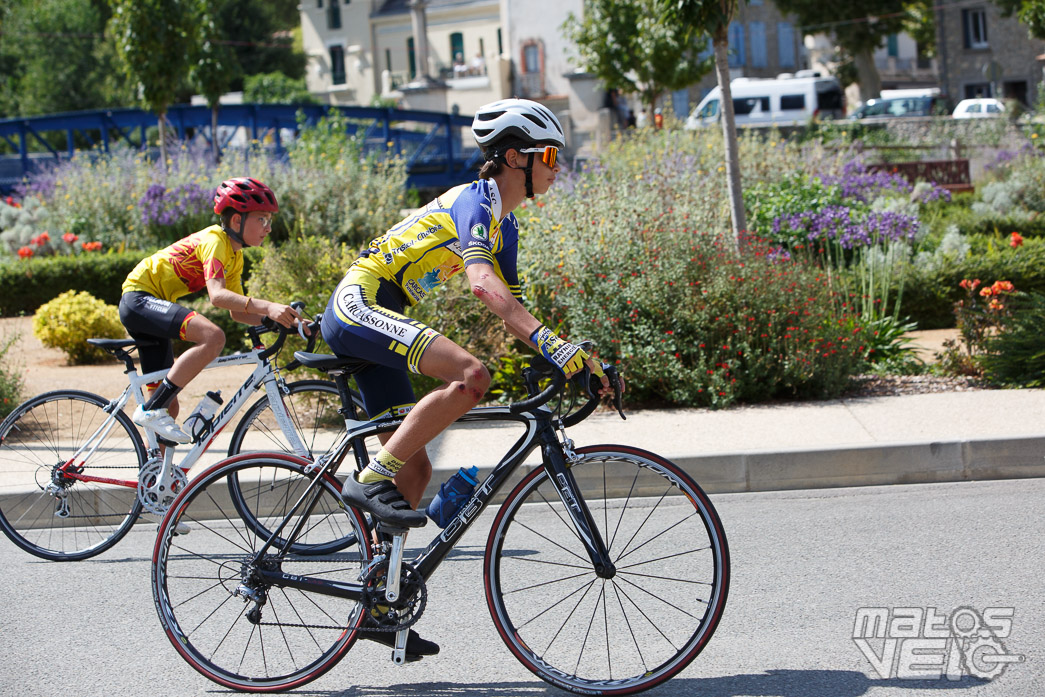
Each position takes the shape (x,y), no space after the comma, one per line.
(565,486)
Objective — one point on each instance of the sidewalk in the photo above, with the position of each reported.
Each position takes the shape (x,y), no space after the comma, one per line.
(952,436)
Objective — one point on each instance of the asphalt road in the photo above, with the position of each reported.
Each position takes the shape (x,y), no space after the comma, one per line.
(804,563)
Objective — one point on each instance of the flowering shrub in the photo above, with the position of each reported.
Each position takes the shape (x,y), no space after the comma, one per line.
(983,312)
(68,321)
(167,215)
(124,200)
(12,382)
(1015,356)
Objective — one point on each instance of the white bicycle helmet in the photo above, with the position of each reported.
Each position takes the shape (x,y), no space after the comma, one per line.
(515,120)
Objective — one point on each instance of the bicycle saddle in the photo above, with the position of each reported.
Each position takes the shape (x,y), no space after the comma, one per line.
(327,362)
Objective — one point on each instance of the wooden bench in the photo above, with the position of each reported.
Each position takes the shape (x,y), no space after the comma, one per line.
(952,175)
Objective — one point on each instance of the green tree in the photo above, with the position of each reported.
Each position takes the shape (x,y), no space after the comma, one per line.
(276,88)
(859,27)
(1029,12)
(156,39)
(214,68)
(35,78)
(260,36)
(624,44)
(699,18)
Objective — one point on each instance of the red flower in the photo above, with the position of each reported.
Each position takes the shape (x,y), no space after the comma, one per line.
(970,285)
(25,252)
(41,239)
(69,238)
(1003,287)
(1015,240)
(91,246)
(11,202)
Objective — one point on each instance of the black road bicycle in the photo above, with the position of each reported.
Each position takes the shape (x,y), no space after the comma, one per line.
(606,568)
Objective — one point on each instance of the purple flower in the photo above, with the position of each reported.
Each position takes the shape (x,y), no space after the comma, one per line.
(859,184)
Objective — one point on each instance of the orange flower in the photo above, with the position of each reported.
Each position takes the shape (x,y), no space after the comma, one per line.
(25,252)
(986,292)
(996,305)
(970,285)
(1003,287)
(1015,240)
(91,246)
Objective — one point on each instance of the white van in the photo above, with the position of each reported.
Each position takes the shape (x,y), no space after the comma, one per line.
(782,101)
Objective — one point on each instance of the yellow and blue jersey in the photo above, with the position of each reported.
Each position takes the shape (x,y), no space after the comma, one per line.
(461,227)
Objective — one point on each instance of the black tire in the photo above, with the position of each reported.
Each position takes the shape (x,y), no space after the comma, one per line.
(612,636)
(89,517)
(312,405)
(298,636)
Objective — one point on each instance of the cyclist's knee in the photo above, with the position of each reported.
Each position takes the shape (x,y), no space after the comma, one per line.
(475,383)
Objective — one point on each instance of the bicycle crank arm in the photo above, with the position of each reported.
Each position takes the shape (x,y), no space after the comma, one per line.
(395,562)
(399,652)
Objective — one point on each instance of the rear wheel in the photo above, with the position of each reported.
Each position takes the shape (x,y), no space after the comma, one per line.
(619,635)
(313,407)
(222,618)
(46,507)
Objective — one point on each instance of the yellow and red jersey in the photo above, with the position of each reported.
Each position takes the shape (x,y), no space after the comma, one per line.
(187,265)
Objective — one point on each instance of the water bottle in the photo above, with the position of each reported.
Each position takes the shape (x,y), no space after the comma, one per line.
(201,420)
(453,494)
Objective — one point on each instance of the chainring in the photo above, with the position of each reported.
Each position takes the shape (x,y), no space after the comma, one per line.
(382,616)
(154,499)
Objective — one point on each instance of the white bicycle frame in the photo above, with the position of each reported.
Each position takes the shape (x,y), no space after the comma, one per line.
(265,375)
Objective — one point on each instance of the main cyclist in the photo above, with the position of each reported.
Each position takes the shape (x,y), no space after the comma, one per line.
(470,228)
(210,259)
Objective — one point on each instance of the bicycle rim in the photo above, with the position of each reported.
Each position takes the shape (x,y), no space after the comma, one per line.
(46,510)
(200,581)
(608,636)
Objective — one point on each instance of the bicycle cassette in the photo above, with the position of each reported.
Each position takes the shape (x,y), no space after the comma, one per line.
(155,494)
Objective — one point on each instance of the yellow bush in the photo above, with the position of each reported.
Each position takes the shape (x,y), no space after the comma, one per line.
(68,321)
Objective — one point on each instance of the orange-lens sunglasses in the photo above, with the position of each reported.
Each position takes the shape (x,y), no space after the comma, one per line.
(549,153)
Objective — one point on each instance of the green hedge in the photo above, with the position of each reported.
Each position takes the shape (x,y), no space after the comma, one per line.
(929,293)
(26,284)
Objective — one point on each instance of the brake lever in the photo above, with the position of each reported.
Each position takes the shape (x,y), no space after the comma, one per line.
(618,393)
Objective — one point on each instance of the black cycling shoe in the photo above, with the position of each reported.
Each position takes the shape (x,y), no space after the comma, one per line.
(416,647)
(383,500)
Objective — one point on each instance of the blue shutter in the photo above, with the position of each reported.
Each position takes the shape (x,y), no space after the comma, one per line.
(736,45)
(786,44)
(759,59)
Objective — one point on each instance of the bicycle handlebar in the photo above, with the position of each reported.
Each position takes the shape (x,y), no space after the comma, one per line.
(585,380)
(270,325)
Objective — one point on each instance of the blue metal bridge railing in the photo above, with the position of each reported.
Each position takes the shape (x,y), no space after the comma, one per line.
(430,142)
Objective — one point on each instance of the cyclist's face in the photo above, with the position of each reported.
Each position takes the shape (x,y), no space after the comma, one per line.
(543,175)
(258,226)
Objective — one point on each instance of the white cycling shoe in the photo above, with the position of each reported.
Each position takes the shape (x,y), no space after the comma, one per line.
(161,423)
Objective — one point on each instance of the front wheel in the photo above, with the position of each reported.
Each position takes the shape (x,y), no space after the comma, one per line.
(221,616)
(58,508)
(619,635)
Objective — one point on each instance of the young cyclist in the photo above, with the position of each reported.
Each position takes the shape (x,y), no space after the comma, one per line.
(470,229)
(210,259)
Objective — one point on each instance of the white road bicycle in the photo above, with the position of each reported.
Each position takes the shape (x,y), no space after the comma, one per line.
(75,473)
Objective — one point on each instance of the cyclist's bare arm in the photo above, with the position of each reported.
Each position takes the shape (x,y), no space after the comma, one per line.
(255,311)
(488,287)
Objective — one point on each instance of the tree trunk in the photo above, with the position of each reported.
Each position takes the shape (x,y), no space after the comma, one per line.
(867,75)
(729,131)
(163,138)
(215,150)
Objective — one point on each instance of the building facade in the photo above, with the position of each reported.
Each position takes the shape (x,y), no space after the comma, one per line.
(983,54)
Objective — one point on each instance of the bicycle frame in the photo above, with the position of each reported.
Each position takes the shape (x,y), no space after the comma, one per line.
(264,375)
(540,431)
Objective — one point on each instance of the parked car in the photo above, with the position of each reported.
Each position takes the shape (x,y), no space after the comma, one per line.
(979,108)
(782,101)
(891,107)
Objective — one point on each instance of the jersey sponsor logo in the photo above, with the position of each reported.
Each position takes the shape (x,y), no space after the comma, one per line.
(352,306)
(414,290)
(479,232)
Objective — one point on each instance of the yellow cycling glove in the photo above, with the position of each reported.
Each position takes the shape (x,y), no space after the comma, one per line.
(569,358)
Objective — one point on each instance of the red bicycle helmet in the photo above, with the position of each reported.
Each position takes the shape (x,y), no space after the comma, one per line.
(243,195)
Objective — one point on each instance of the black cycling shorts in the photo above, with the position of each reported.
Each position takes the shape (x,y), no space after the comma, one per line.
(154,322)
